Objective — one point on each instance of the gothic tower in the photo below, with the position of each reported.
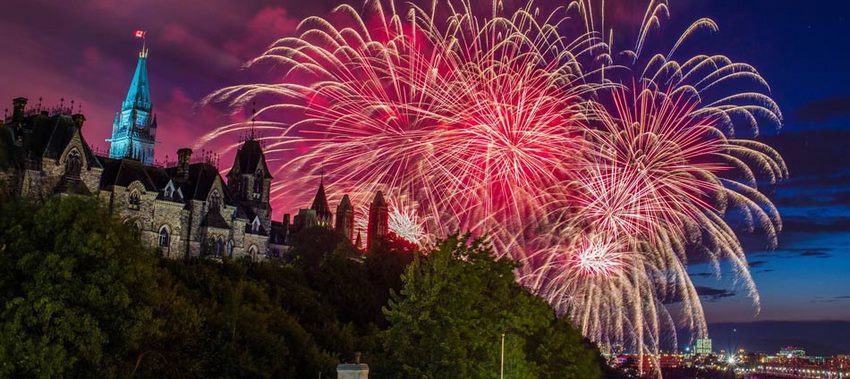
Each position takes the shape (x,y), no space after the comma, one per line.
(345,218)
(379,217)
(249,180)
(320,205)
(134,128)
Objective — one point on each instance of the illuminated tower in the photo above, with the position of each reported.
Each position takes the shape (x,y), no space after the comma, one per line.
(379,217)
(345,218)
(134,128)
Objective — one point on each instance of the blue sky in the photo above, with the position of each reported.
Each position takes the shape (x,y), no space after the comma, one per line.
(802,50)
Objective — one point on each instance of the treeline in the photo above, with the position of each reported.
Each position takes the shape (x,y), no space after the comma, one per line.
(82,297)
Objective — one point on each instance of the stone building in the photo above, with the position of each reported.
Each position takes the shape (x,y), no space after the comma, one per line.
(186,209)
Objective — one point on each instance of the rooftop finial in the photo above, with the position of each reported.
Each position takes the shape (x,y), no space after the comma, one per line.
(253,117)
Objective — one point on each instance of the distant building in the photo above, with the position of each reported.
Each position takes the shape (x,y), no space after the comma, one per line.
(702,346)
(792,352)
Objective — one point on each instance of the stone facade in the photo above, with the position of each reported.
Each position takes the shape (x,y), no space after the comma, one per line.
(186,210)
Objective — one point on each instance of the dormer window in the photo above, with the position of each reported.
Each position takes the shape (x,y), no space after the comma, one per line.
(73,164)
(134,200)
(215,201)
(169,190)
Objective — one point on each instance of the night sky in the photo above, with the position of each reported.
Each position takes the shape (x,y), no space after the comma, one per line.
(84,50)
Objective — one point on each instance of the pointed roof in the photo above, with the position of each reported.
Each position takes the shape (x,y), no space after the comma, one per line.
(248,158)
(379,200)
(139,96)
(344,204)
(47,136)
(320,202)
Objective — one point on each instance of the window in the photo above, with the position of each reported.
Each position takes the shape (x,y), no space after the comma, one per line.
(73,164)
(164,239)
(255,226)
(134,200)
(229,248)
(219,247)
(258,184)
(252,253)
(169,190)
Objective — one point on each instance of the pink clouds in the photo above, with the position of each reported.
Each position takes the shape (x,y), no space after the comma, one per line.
(267,25)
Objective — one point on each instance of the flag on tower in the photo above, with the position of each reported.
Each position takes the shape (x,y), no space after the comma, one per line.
(140,34)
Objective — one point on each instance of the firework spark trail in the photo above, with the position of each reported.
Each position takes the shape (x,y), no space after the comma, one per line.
(599,170)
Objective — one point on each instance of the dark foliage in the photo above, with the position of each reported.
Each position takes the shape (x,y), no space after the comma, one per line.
(84,298)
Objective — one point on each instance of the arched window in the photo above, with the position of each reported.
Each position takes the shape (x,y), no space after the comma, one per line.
(133,200)
(252,253)
(135,226)
(164,238)
(219,247)
(229,248)
(215,201)
(255,226)
(73,164)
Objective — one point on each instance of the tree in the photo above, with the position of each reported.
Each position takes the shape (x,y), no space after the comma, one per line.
(454,306)
(76,289)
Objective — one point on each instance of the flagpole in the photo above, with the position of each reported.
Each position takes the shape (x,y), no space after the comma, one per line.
(502,364)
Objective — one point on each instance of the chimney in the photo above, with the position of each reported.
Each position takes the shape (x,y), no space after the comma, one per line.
(18,106)
(183,157)
(354,370)
(79,119)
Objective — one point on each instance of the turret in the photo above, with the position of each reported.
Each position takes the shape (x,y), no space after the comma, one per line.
(324,217)
(379,217)
(345,218)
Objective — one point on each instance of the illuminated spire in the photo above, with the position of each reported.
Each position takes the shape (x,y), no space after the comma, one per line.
(134,128)
(139,96)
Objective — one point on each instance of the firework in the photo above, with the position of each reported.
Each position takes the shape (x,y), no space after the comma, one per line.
(598,169)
